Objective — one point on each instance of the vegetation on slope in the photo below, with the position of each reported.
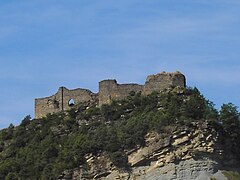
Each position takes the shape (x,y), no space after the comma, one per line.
(231,175)
(43,148)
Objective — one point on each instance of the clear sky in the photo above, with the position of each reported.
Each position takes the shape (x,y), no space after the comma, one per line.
(45,44)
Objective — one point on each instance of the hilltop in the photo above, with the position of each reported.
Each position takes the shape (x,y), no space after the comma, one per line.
(171,134)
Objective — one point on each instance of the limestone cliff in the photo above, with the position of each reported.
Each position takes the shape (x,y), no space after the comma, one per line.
(184,154)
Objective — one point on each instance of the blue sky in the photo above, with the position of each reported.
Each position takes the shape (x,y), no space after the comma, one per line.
(45,44)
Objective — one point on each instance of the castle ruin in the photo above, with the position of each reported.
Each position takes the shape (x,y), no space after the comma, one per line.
(109,90)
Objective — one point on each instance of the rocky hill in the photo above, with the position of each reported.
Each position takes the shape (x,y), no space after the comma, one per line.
(173,134)
(189,152)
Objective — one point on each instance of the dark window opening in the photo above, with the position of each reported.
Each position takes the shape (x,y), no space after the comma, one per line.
(49,101)
(56,104)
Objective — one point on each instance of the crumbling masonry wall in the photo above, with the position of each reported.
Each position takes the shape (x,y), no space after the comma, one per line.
(163,81)
(109,90)
(63,100)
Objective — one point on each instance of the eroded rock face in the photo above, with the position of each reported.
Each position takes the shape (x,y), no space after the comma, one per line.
(181,155)
(185,170)
(98,167)
(155,146)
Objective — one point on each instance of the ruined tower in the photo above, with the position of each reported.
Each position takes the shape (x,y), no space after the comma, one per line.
(109,90)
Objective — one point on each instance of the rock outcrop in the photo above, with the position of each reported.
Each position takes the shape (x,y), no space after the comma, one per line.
(185,154)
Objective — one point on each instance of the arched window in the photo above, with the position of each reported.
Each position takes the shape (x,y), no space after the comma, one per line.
(71,102)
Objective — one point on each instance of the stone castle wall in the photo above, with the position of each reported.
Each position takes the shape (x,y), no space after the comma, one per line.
(162,81)
(63,100)
(109,90)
